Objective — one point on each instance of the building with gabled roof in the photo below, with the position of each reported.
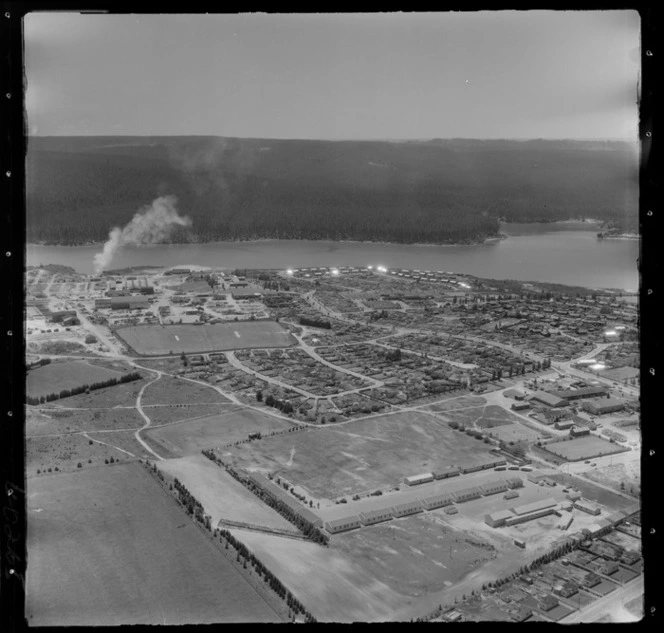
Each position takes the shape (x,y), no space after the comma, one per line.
(406,509)
(343,525)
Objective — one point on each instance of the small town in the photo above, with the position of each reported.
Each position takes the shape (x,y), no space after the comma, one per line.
(358,403)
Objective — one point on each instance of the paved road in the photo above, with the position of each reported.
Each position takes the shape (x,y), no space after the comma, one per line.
(601,607)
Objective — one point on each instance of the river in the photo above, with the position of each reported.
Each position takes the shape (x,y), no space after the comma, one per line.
(565,253)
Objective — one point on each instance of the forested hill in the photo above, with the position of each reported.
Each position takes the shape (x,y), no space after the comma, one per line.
(418,191)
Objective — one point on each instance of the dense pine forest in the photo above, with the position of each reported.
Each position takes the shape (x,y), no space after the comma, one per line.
(439,191)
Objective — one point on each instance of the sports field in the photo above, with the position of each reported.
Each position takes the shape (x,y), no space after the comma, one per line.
(585,447)
(189,437)
(155,340)
(108,547)
(55,377)
(360,456)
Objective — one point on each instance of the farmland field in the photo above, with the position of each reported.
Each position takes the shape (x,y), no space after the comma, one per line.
(154,340)
(585,447)
(54,421)
(222,496)
(362,455)
(193,436)
(152,566)
(55,377)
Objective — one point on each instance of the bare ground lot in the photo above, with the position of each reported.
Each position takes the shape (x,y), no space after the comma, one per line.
(55,377)
(330,584)
(169,390)
(222,496)
(154,340)
(360,456)
(213,431)
(626,477)
(585,447)
(108,547)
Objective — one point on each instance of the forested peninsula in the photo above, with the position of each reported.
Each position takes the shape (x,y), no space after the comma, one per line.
(436,192)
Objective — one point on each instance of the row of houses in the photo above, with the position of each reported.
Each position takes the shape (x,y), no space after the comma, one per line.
(433,502)
(454,471)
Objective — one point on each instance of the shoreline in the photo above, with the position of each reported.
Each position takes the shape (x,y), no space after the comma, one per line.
(487,240)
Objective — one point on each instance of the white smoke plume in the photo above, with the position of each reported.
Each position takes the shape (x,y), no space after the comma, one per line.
(151,224)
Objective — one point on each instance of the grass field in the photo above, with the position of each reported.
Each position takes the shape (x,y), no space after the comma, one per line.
(53,421)
(331,585)
(585,447)
(414,554)
(457,403)
(216,430)
(514,433)
(118,395)
(54,377)
(360,456)
(166,414)
(154,340)
(109,547)
(222,496)
(169,390)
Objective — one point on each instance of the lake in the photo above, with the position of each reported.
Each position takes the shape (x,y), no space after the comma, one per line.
(565,253)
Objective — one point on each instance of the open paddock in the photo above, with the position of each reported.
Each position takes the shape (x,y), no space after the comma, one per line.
(170,390)
(175,413)
(360,456)
(456,402)
(585,447)
(109,547)
(57,422)
(123,395)
(331,585)
(186,438)
(222,496)
(156,340)
(415,554)
(55,377)
(65,452)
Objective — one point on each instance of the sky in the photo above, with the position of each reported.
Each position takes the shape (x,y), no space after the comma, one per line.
(504,74)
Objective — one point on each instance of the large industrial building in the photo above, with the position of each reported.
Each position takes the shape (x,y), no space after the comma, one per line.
(522,513)
(548,399)
(600,406)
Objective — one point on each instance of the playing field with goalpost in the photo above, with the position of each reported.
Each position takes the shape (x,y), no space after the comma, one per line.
(157,340)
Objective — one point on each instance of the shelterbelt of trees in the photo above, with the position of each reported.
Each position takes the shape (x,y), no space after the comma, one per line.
(438,191)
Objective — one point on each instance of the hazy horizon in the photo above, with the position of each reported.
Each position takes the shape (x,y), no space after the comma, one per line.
(487,75)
